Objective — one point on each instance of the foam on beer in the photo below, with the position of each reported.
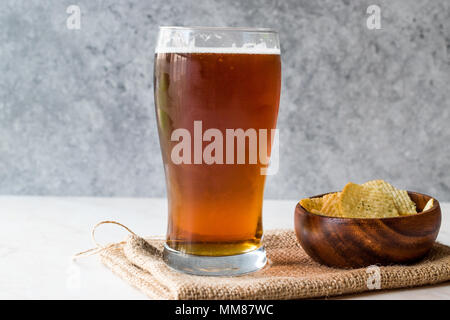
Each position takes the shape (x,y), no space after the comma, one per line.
(246,49)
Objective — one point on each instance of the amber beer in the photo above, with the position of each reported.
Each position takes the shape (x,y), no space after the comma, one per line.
(215,210)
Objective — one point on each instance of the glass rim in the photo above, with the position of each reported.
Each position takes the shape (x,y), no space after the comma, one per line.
(236,29)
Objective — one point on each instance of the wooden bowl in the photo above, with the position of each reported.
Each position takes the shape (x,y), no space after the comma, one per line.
(356,242)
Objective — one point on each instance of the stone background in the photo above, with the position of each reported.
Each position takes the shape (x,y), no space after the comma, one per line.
(76,106)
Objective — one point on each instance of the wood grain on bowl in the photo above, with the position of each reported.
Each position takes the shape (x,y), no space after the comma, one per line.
(358,242)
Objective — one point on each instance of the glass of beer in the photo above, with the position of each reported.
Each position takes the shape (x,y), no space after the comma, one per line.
(217,93)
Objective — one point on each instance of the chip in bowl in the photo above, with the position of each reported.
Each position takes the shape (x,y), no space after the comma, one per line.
(364,201)
(403,203)
(373,199)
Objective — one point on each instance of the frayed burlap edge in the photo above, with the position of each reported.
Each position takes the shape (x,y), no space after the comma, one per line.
(139,263)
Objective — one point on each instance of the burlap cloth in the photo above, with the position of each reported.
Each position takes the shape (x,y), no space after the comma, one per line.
(290,273)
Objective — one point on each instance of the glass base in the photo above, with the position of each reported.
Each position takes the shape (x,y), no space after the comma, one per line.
(215,266)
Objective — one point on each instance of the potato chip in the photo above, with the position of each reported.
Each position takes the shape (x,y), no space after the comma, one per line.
(315,211)
(373,199)
(363,201)
(402,201)
(312,203)
(330,205)
(429,205)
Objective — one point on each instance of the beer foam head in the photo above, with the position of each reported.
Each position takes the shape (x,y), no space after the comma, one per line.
(250,48)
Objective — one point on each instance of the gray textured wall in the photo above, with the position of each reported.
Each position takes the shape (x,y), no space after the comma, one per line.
(77,114)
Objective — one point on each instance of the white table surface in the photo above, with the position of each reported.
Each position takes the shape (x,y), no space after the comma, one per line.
(40,234)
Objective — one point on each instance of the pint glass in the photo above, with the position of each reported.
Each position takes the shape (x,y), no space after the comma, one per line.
(217,94)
